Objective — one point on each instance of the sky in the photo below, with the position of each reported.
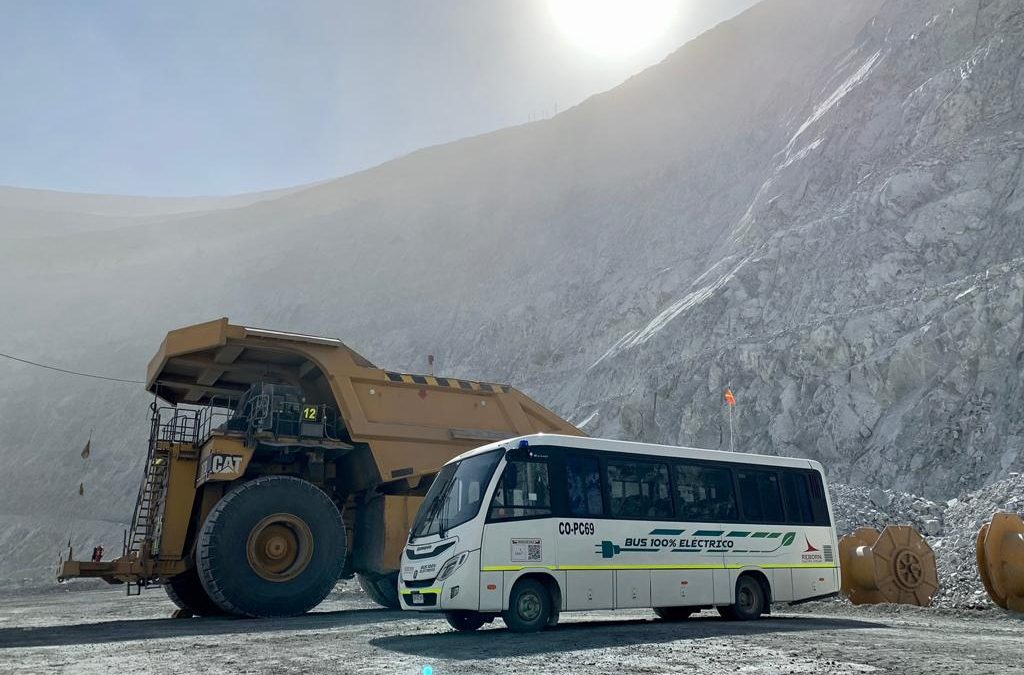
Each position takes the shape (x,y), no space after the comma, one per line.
(212,97)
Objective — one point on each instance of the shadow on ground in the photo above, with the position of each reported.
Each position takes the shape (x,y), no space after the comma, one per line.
(120,631)
(583,635)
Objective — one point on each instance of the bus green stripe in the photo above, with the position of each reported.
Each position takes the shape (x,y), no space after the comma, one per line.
(708,533)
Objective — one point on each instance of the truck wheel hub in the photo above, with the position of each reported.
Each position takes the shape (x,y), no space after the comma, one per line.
(280,547)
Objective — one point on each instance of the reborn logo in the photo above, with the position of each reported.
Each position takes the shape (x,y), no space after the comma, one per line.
(811,554)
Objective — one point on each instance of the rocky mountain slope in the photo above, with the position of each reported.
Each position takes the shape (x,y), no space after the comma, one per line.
(817,203)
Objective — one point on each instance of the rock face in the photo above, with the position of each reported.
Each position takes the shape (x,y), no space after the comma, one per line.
(818,204)
(866,307)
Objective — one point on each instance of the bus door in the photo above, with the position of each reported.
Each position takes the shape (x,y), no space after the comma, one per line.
(520,532)
(586,537)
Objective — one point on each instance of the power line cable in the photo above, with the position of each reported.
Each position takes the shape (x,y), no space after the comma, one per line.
(70,372)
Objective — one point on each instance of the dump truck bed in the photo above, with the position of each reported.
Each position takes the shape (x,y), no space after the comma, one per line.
(412,423)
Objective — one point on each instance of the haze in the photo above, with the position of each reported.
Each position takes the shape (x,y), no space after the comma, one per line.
(221,98)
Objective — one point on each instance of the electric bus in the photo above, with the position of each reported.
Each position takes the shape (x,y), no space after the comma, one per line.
(533,526)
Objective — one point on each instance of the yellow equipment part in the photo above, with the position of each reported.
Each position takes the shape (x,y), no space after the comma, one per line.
(896,566)
(1000,551)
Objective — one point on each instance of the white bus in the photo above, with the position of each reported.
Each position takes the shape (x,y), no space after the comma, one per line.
(533,526)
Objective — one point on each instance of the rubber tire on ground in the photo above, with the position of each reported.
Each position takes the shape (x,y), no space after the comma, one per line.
(465,621)
(741,610)
(673,613)
(382,588)
(532,589)
(187,592)
(223,562)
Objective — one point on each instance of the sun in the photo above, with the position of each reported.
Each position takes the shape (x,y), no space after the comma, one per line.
(613,28)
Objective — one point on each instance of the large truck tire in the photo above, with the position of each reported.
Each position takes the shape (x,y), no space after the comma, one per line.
(274,546)
(382,588)
(187,592)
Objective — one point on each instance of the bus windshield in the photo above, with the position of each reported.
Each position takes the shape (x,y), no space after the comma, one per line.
(456,494)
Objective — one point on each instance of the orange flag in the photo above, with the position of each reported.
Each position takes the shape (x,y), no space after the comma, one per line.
(729,397)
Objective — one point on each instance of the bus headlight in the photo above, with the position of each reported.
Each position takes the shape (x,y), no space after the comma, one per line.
(453,564)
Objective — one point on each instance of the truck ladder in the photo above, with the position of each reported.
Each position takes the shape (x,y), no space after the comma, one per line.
(144,537)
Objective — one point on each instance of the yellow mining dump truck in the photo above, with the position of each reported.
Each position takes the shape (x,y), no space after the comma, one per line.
(279,463)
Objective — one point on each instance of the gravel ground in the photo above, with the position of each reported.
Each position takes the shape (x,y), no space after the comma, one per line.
(101,631)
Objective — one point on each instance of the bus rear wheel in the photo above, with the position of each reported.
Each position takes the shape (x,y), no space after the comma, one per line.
(274,546)
(529,607)
(673,613)
(465,621)
(382,588)
(750,601)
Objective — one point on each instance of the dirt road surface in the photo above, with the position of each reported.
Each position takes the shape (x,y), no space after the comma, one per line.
(101,631)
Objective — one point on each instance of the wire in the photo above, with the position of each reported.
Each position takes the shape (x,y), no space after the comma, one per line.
(70,372)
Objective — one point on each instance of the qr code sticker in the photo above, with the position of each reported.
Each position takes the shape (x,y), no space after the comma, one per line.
(527,550)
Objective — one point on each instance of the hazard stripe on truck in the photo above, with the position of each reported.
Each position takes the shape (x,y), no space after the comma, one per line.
(450,382)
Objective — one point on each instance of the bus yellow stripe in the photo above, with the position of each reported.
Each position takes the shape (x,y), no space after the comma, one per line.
(425,591)
(732,566)
(640,567)
(795,565)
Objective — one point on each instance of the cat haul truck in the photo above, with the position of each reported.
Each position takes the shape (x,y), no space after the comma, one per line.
(279,463)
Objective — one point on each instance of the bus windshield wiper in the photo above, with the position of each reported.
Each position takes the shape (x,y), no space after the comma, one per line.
(428,520)
(444,501)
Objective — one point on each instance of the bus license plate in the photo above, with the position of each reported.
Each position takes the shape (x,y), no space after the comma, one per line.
(417,598)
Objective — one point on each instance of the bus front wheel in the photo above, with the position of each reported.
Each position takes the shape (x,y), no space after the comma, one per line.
(464,621)
(750,601)
(529,607)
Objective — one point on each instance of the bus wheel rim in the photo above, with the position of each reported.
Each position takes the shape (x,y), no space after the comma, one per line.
(529,606)
(280,547)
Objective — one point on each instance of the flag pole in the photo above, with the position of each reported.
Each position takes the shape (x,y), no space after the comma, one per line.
(732,443)
(730,402)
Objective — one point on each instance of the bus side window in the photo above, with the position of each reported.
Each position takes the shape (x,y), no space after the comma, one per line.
(797,495)
(705,494)
(583,484)
(639,489)
(818,503)
(760,496)
(523,491)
